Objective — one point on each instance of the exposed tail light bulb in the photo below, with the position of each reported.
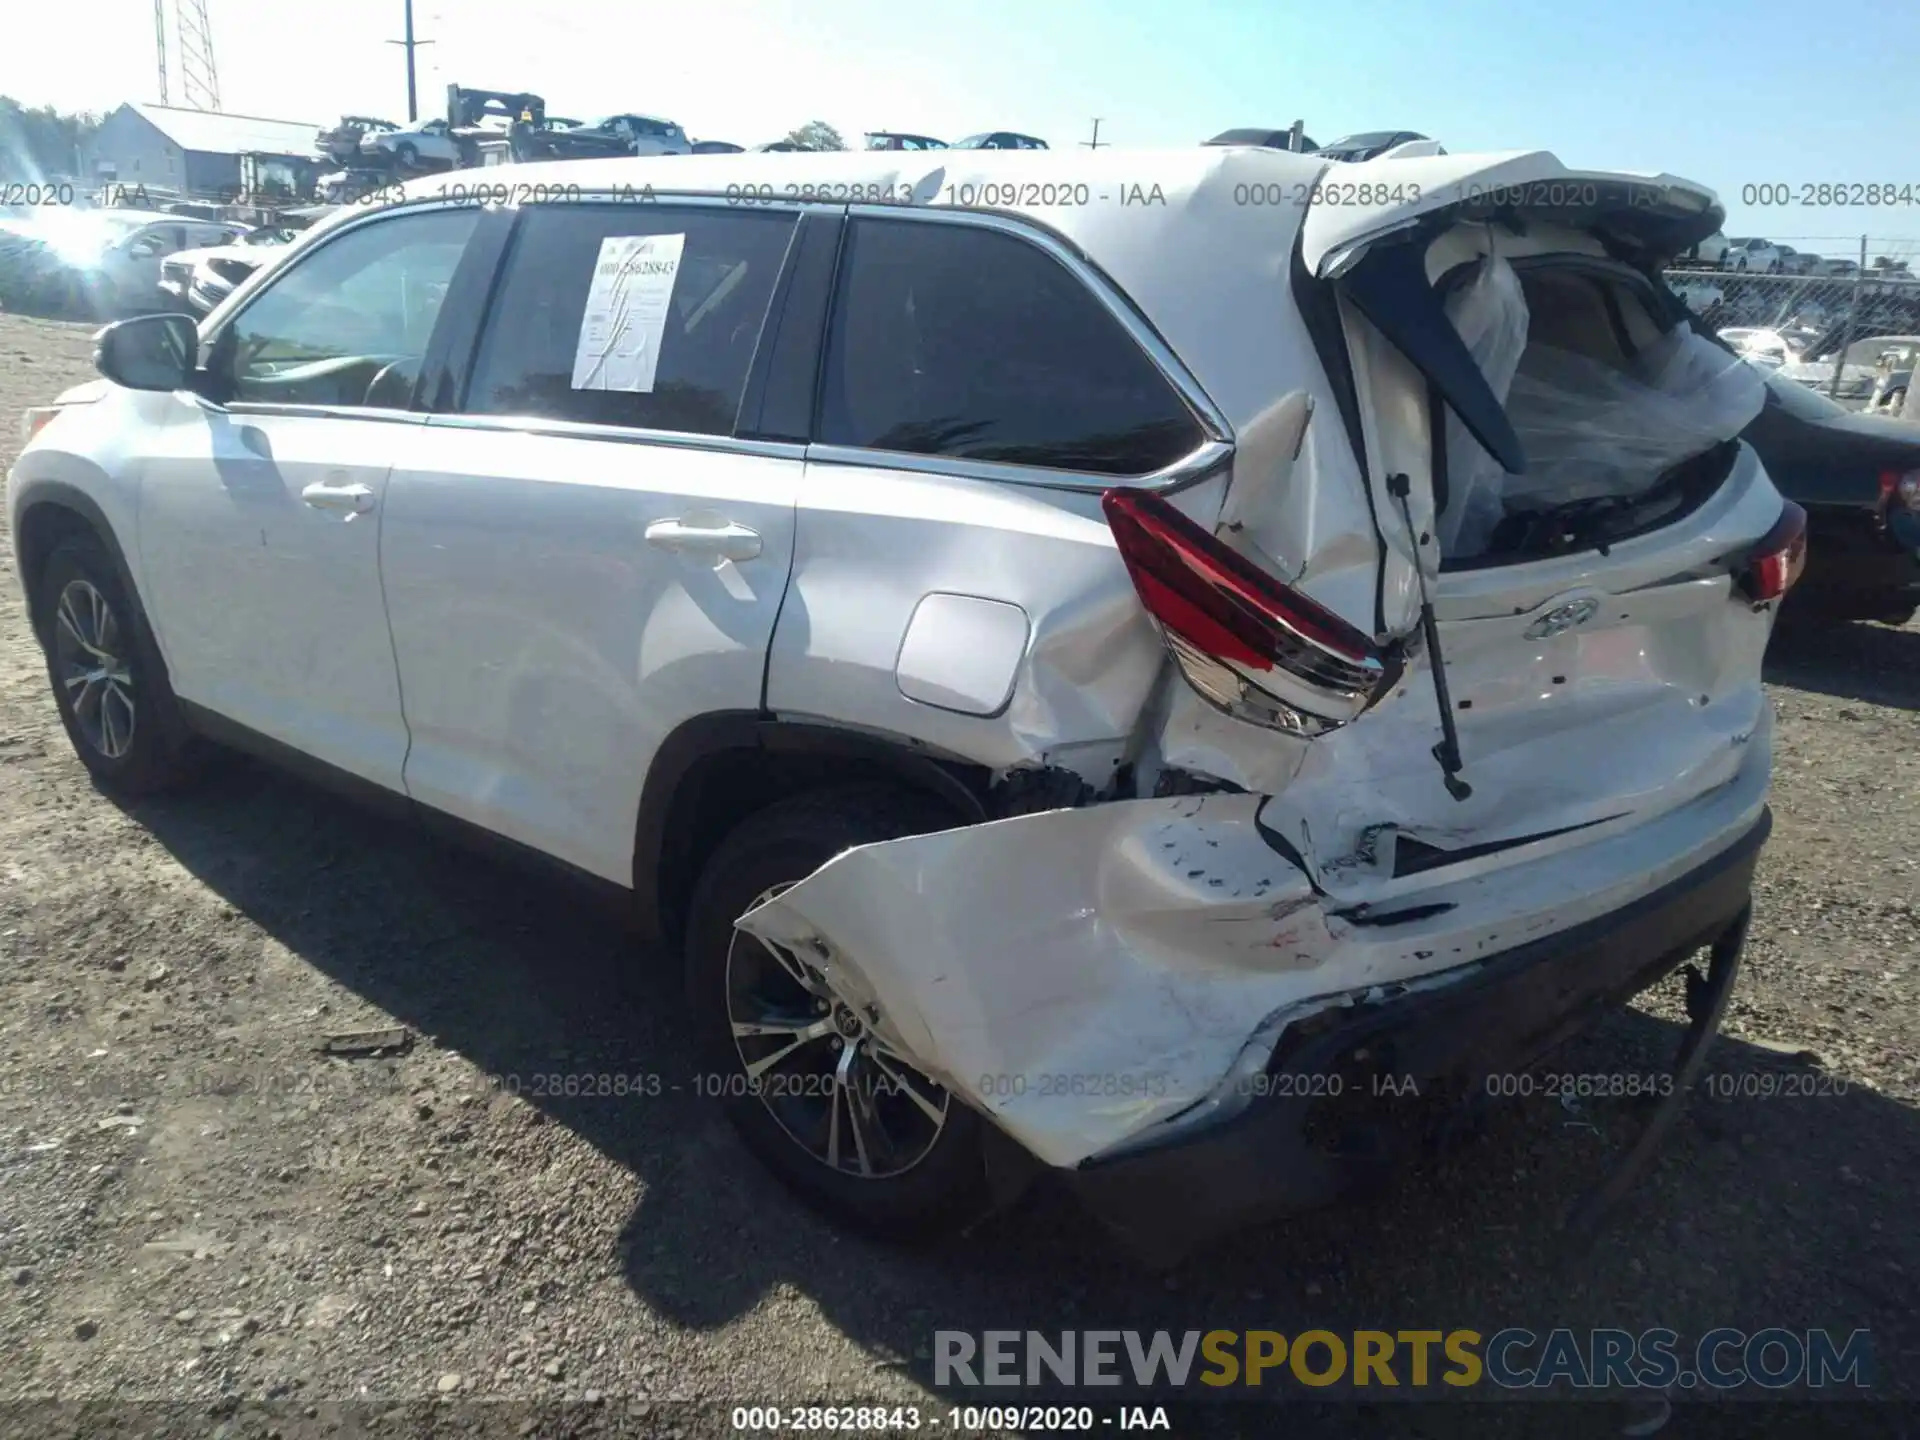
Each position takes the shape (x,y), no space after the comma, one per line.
(1900,489)
(1777,559)
(1250,645)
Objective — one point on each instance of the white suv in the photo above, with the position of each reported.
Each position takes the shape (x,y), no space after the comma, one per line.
(1087,686)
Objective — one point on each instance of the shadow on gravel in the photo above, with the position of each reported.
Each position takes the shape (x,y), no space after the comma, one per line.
(54,306)
(1784,1199)
(1860,661)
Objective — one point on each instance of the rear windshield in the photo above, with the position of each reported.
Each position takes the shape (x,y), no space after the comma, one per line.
(1612,402)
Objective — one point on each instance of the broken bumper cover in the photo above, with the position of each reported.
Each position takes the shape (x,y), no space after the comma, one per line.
(1331,1112)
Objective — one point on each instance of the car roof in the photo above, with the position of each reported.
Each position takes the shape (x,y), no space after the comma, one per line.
(154,217)
(1207,270)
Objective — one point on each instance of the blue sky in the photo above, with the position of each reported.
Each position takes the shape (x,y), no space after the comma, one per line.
(1762,92)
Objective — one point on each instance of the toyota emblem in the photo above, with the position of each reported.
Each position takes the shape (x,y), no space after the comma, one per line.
(1563,618)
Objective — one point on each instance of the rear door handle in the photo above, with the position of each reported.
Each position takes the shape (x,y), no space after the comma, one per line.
(721,538)
(348,500)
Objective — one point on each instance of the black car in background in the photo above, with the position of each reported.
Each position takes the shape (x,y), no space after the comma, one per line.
(1858,479)
(1000,140)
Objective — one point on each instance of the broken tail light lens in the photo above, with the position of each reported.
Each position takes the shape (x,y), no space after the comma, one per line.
(35,420)
(1900,489)
(1249,644)
(1778,558)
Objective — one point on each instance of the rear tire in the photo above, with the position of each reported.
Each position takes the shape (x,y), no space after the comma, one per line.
(924,1176)
(406,155)
(109,682)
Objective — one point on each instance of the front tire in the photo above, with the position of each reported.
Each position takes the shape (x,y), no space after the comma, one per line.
(845,1121)
(109,682)
(406,155)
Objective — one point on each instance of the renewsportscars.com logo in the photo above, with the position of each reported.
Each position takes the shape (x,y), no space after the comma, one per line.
(1384,1361)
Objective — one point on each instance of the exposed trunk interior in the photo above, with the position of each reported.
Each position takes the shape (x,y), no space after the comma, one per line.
(1626,418)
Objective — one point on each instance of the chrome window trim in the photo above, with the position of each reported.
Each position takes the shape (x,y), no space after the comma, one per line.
(662,199)
(1212,420)
(385,414)
(618,434)
(1188,470)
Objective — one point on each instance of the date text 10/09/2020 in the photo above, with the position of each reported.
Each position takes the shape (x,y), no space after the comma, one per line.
(872,1419)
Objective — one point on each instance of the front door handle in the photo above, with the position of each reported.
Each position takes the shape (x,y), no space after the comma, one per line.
(348,500)
(721,538)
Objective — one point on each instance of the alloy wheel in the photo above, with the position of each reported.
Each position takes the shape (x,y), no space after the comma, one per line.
(90,658)
(817,1061)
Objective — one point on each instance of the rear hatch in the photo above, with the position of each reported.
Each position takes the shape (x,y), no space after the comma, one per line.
(1576,561)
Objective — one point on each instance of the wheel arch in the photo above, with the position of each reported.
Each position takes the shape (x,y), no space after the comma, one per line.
(53,511)
(714,770)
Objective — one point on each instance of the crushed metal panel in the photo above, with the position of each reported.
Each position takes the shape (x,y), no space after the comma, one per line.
(1079,975)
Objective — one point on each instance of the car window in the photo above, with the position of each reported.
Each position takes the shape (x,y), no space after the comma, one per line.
(667,350)
(348,322)
(964,341)
(158,240)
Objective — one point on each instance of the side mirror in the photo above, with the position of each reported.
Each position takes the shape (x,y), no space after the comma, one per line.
(149,352)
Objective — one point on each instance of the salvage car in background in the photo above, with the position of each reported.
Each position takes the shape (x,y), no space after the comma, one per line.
(1272,139)
(431,141)
(1710,252)
(1000,140)
(1859,367)
(198,280)
(1760,256)
(97,263)
(1858,479)
(1057,646)
(341,143)
(1770,347)
(1380,144)
(899,140)
(613,135)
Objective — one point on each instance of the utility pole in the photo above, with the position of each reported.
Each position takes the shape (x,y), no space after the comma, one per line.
(413,99)
(1096,142)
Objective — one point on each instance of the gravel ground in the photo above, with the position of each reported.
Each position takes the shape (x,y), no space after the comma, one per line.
(195,1204)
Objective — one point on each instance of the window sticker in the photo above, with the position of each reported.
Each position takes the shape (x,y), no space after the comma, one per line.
(627,309)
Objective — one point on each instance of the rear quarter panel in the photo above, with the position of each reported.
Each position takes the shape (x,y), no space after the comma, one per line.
(871,543)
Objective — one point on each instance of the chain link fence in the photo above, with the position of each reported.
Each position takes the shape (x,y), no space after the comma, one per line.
(1841,317)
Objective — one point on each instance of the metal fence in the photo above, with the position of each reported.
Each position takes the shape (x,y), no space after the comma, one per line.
(1843,319)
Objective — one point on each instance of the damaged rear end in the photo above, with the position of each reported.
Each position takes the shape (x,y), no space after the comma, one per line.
(1459,742)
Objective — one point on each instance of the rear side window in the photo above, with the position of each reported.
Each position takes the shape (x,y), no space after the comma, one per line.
(963,341)
(662,342)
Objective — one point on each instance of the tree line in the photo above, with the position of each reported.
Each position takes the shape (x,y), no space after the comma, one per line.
(38,141)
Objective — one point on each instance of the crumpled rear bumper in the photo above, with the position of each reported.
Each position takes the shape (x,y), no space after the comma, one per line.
(1347,1091)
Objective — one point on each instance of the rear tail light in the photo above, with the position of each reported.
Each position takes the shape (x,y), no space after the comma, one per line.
(1779,557)
(35,420)
(1900,489)
(1256,648)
